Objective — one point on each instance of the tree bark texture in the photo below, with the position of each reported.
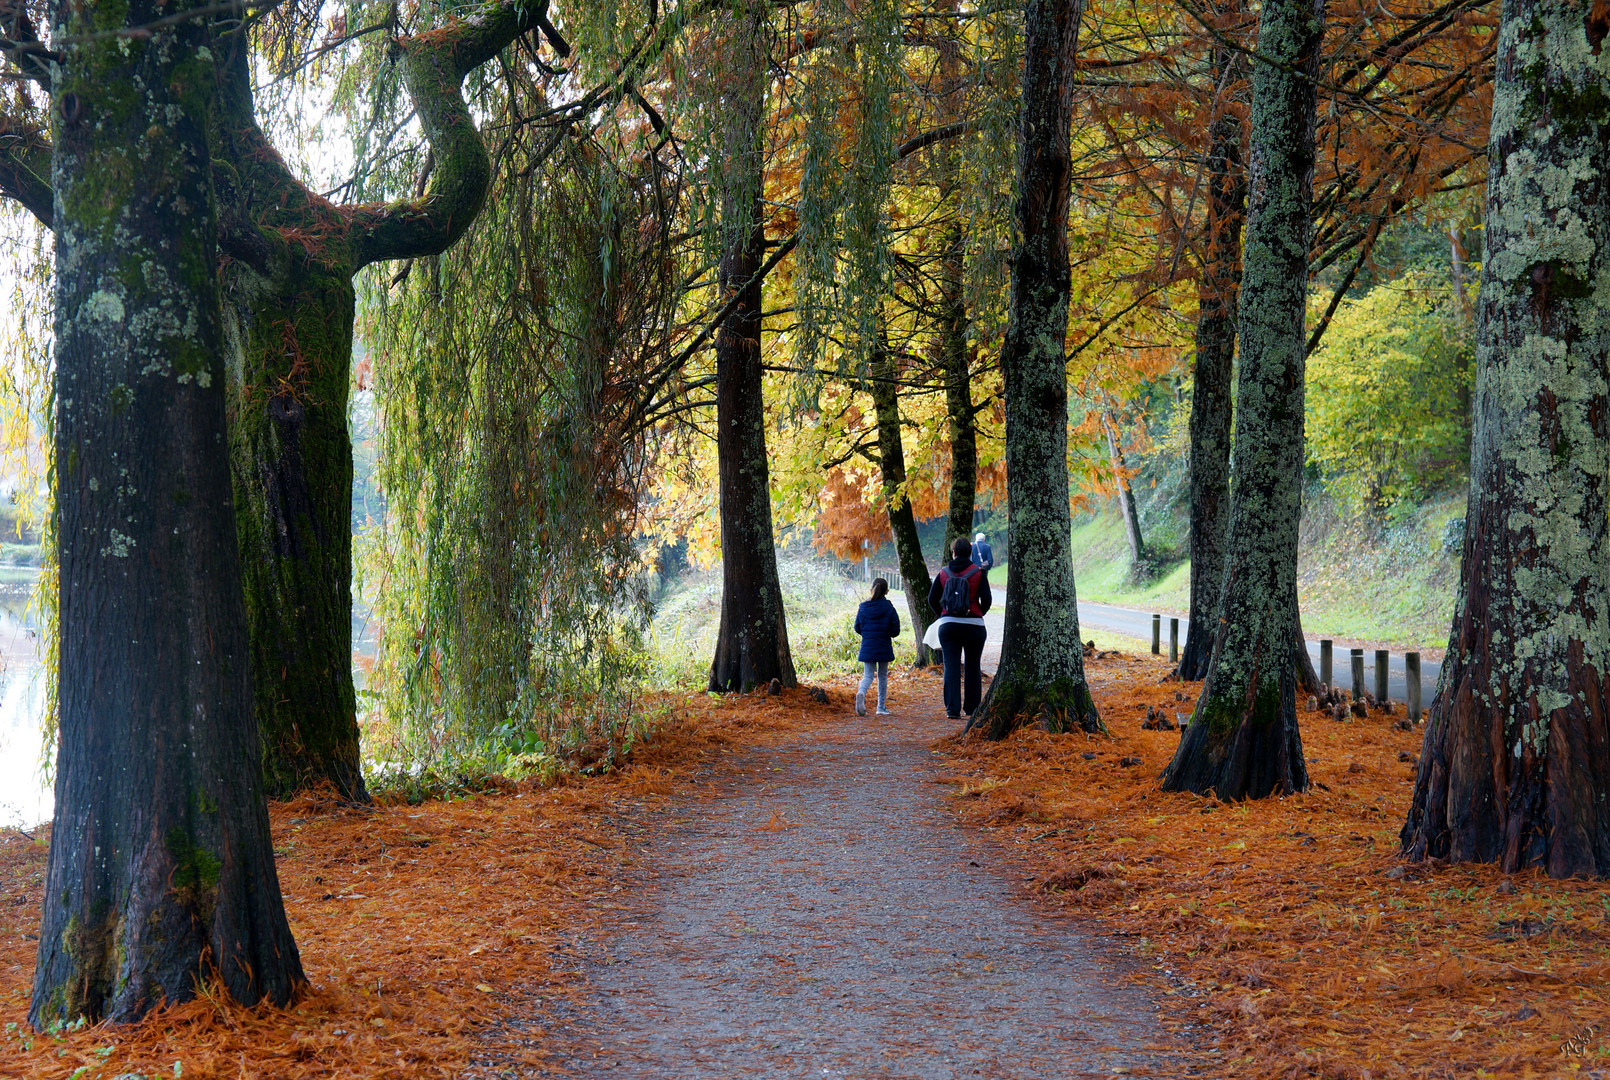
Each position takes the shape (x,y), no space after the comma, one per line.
(902,520)
(1212,371)
(288,313)
(288,327)
(955,363)
(1516,761)
(1243,741)
(161,872)
(1041,676)
(752,644)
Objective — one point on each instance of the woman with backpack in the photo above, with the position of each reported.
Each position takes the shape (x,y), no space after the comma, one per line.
(960,596)
(878,623)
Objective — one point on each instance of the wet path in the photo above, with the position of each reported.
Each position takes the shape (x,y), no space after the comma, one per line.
(824,916)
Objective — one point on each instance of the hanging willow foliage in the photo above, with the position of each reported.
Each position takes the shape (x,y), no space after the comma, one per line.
(513,391)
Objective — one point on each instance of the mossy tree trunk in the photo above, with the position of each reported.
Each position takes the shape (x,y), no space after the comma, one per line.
(161,864)
(752,643)
(1515,768)
(955,359)
(883,378)
(288,315)
(1212,368)
(1041,675)
(1243,741)
(956,367)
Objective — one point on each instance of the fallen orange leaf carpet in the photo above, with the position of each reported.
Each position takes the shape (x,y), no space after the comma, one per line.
(1295,941)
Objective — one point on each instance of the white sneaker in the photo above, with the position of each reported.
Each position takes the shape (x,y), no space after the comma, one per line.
(860,703)
(882,711)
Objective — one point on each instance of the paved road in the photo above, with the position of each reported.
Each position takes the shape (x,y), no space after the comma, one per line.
(1138,624)
(822,915)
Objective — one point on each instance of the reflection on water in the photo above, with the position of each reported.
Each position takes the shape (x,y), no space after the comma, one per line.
(25,800)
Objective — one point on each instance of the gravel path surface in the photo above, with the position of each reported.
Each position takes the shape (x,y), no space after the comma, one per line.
(823,915)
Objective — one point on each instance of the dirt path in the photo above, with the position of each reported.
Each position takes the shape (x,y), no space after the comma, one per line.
(822,915)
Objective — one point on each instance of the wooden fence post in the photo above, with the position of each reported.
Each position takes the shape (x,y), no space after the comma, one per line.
(1357,658)
(1381,684)
(1325,662)
(1411,677)
(1173,641)
(1157,635)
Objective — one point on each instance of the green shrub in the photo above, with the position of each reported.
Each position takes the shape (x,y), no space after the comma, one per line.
(1388,395)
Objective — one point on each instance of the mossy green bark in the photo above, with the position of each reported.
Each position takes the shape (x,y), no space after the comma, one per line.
(1243,740)
(1212,370)
(1041,673)
(161,872)
(1515,767)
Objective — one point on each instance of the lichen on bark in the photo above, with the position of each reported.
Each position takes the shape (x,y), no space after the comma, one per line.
(1040,678)
(1243,740)
(161,871)
(1516,761)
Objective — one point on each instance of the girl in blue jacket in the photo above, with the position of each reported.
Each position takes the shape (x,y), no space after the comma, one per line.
(878,623)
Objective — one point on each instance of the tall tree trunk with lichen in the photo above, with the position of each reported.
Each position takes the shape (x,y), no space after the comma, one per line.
(1041,673)
(1515,767)
(883,377)
(161,872)
(288,331)
(752,643)
(1212,369)
(1243,741)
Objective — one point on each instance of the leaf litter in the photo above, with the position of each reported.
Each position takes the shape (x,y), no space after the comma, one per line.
(1288,937)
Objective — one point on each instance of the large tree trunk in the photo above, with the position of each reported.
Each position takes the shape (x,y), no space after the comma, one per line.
(288,323)
(752,645)
(902,522)
(1211,375)
(1126,500)
(1041,675)
(957,371)
(1243,740)
(161,873)
(1516,761)
(954,356)
(291,457)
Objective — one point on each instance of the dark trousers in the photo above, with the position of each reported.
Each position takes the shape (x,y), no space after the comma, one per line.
(963,648)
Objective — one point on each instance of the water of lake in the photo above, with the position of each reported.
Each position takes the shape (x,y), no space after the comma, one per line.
(25,799)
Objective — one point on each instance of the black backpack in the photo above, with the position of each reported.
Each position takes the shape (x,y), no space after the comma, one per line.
(957,601)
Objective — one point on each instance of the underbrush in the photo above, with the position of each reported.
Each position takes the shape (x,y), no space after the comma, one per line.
(1288,929)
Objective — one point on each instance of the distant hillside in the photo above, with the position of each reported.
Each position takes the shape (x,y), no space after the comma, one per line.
(1393,584)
